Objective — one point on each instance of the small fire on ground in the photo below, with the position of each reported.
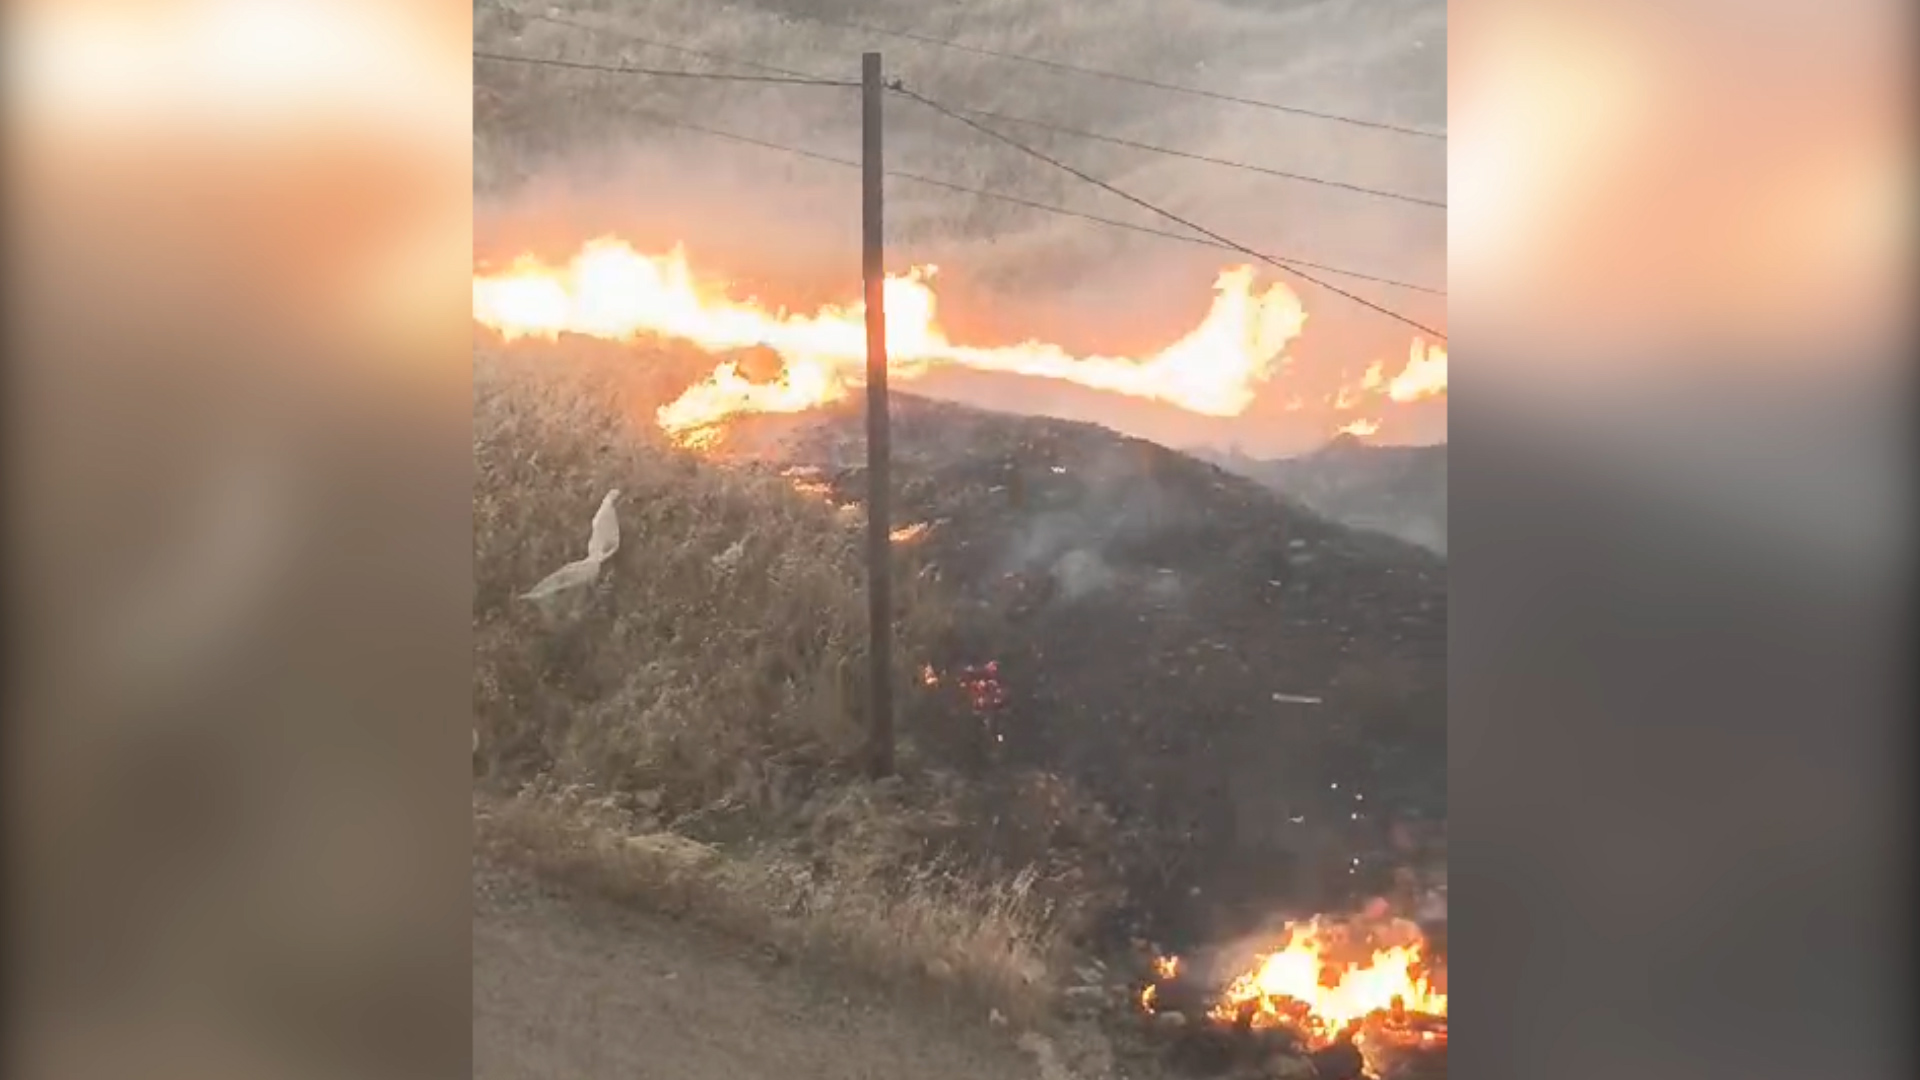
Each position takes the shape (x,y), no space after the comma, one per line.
(611,291)
(1328,980)
(978,685)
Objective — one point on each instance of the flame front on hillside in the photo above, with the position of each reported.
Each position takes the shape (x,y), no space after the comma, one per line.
(611,291)
(1424,376)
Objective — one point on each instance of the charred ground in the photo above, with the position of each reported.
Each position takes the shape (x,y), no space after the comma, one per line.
(1254,693)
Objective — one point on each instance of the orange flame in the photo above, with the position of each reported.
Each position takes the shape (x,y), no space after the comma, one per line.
(1315,983)
(611,291)
(1334,998)
(1424,376)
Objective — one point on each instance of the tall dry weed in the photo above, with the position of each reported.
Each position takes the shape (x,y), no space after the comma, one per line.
(711,685)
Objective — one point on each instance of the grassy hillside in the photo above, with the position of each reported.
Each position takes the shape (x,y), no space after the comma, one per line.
(710,688)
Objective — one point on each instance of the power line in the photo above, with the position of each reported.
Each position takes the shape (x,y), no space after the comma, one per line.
(1031,204)
(1136,80)
(580,65)
(1149,230)
(1062,129)
(1045,125)
(1206,240)
(1168,214)
(622,32)
(674,121)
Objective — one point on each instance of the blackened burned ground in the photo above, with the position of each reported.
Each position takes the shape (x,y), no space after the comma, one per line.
(1253,691)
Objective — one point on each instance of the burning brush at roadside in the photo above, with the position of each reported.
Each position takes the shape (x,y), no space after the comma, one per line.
(1331,998)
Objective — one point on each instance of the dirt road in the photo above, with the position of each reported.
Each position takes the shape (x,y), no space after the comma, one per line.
(581,990)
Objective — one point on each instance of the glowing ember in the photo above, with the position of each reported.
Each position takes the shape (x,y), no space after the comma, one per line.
(985,692)
(611,291)
(907,534)
(814,489)
(1424,376)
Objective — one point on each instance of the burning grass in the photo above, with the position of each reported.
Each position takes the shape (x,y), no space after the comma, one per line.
(684,730)
(1365,985)
(611,291)
(680,731)
(562,157)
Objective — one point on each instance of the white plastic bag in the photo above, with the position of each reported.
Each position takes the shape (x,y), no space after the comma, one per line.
(603,541)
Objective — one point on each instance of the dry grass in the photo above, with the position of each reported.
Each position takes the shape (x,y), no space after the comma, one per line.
(685,731)
(990,944)
(715,694)
(725,647)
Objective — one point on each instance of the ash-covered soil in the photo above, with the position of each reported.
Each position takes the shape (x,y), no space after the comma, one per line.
(1256,694)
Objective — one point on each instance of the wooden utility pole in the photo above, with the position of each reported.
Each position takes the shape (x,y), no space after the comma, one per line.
(879,542)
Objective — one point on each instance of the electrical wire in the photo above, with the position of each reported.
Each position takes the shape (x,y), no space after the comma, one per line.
(667,120)
(581,65)
(1059,65)
(1168,214)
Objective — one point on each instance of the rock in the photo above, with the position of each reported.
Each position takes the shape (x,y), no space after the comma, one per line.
(1170,1021)
(1341,1061)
